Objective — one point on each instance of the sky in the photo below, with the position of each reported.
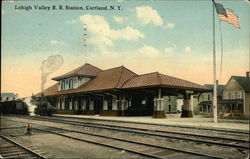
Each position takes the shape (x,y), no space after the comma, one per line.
(172,37)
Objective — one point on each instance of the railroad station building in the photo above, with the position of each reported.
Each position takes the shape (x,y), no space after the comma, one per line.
(118,91)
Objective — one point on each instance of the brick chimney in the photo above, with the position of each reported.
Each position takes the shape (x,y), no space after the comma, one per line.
(247,74)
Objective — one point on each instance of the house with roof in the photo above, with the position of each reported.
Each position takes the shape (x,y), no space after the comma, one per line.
(8,97)
(236,95)
(205,99)
(118,91)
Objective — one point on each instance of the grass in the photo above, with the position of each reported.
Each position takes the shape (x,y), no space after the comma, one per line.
(230,117)
(239,117)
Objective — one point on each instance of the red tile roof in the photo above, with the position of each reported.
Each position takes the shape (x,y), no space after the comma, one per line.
(157,79)
(176,82)
(108,79)
(120,78)
(50,91)
(150,79)
(84,70)
(105,80)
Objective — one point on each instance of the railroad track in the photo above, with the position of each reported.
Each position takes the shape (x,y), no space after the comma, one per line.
(201,139)
(159,151)
(141,148)
(219,130)
(234,132)
(12,149)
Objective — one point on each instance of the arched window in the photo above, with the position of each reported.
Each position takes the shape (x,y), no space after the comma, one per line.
(143,101)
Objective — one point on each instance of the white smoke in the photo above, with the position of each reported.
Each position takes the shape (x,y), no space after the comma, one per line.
(48,66)
(31,107)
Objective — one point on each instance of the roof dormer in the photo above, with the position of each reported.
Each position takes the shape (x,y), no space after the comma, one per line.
(76,77)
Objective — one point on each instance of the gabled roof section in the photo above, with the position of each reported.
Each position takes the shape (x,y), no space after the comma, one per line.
(220,88)
(108,79)
(50,91)
(244,82)
(105,80)
(84,70)
(150,79)
(176,82)
(157,79)
(125,75)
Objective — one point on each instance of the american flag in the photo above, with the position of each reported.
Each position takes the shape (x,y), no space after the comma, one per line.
(231,18)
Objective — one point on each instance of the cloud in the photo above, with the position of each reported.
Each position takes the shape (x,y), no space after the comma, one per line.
(247,1)
(148,15)
(100,40)
(10,1)
(118,19)
(120,0)
(188,49)
(170,25)
(170,49)
(56,42)
(71,21)
(100,28)
(149,51)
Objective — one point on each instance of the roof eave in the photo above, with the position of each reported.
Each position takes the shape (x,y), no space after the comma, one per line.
(73,75)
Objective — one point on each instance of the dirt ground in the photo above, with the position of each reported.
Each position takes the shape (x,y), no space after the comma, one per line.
(55,146)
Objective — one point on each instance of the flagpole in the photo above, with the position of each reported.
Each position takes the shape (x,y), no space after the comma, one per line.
(214,70)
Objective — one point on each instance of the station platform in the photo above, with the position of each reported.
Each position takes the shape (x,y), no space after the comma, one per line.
(174,119)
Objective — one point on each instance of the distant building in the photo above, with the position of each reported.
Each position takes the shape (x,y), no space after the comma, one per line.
(173,104)
(205,99)
(194,102)
(236,95)
(170,104)
(8,97)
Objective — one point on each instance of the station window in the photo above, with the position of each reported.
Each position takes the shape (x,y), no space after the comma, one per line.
(63,84)
(73,103)
(71,83)
(109,103)
(66,104)
(143,101)
(129,103)
(60,104)
(79,103)
(87,104)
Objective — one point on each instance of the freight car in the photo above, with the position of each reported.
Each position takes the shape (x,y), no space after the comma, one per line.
(14,107)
